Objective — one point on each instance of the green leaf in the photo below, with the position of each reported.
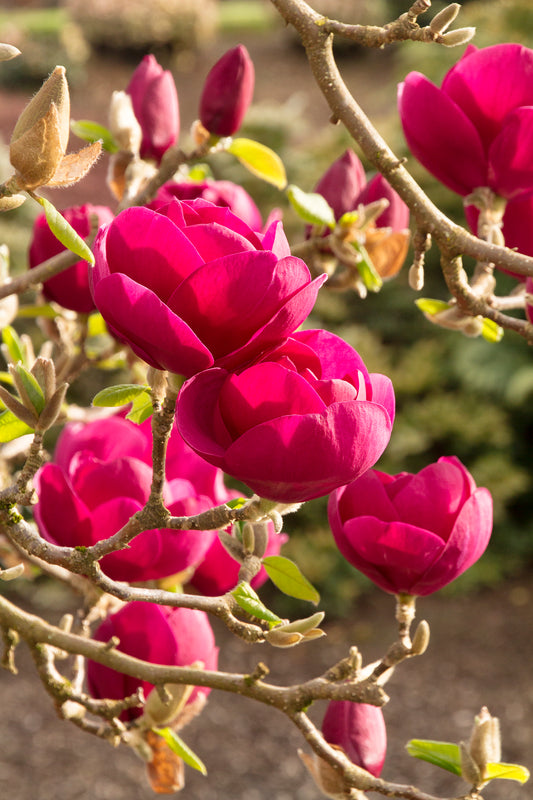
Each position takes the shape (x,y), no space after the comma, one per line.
(442,754)
(31,385)
(119,395)
(371,279)
(11,427)
(250,602)
(348,219)
(96,324)
(311,206)
(64,232)
(199,172)
(6,377)
(31,312)
(94,132)
(259,160)
(237,502)
(508,772)
(12,341)
(181,749)
(141,408)
(429,306)
(286,575)
(490,331)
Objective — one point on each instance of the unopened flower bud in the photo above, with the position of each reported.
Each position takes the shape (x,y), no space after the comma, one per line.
(155,105)
(457,37)
(17,408)
(416,277)
(123,123)
(485,740)
(45,373)
(279,638)
(328,780)
(359,730)
(420,640)
(444,18)
(8,51)
(248,538)
(40,137)
(52,409)
(12,572)
(227,92)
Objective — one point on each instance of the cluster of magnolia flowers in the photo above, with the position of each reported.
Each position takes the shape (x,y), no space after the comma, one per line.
(195,285)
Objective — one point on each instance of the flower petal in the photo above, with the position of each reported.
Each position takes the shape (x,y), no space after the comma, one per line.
(511,155)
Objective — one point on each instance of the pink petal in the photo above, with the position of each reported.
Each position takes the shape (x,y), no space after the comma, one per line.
(396,216)
(143,321)
(362,497)
(511,154)
(62,517)
(196,412)
(97,482)
(489,83)
(275,240)
(383,393)
(444,140)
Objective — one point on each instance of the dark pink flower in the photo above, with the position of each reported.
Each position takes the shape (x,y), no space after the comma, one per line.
(345,187)
(192,286)
(412,534)
(227,92)
(305,419)
(102,476)
(516,229)
(360,730)
(477,129)
(177,637)
(221,193)
(218,572)
(155,105)
(70,288)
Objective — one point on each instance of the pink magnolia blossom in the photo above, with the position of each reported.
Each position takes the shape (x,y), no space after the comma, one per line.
(345,187)
(155,104)
(409,533)
(221,193)
(227,92)
(70,288)
(102,476)
(360,730)
(302,421)
(161,635)
(477,129)
(218,572)
(516,229)
(191,286)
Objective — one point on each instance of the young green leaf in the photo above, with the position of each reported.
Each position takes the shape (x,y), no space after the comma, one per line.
(65,232)
(508,772)
(141,408)
(30,387)
(11,427)
(370,277)
(428,305)
(442,754)
(237,502)
(490,331)
(12,341)
(119,395)
(31,312)
(250,602)
(259,160)
(181,749)
(286,575)
(94,132)
(311,206)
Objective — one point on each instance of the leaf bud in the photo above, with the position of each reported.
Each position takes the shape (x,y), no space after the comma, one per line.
(158,712)
(232,545)
(420,639)
(11,573)
(53,408)
(17,408)
(457,37)
(485,740)
(328,780)
(261,538)
(277,637)
(248,538)
(45,373)
(469,769)
(303,625)
(11,202)
(8,51)
(444,18)
(123,123)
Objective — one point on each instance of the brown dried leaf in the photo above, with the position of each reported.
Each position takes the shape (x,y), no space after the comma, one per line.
(387,250)
(75,166)
(166,771)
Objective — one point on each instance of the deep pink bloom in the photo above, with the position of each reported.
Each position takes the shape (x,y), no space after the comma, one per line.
(477,129)
(192,286)
(409,533)
(517,229)
(345,187)
(227,92)
(218,572)
(70,288)
(102,476)
(304,420)
(176,637)
(221,193)
(360,730)
(155,104)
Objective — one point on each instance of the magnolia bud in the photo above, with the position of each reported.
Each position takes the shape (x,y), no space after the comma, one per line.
(123,123)
(457,37)
(444,18)
(40,137)
(485,740)
(8,51)
(227,92)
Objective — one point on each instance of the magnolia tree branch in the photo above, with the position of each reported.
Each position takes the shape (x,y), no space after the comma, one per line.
(453,240)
